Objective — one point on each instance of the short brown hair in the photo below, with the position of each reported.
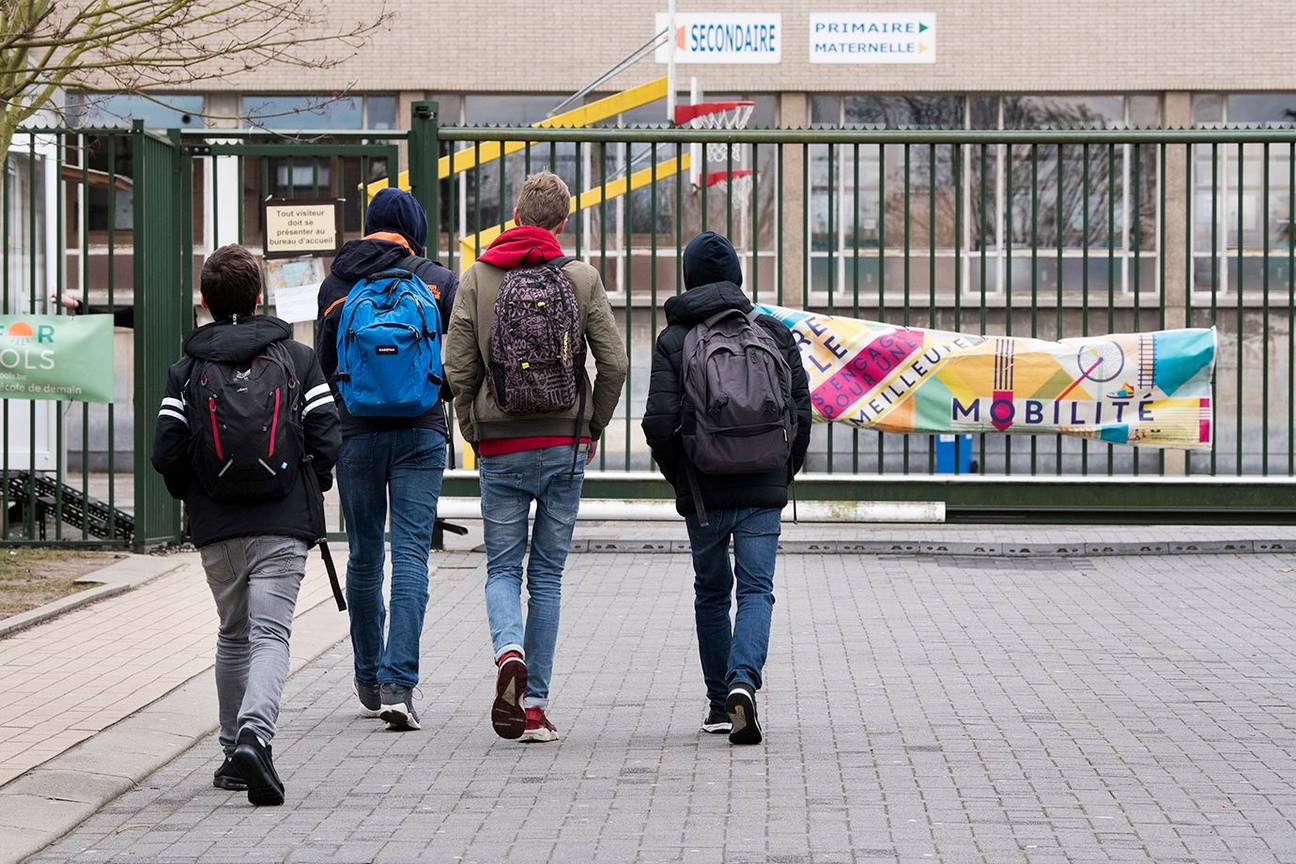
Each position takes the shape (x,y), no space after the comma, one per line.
(231,282)
(544,201)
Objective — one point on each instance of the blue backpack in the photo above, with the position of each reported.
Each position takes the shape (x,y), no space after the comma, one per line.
(389,346)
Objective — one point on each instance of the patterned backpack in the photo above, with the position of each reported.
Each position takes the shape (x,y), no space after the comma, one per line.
(537,346)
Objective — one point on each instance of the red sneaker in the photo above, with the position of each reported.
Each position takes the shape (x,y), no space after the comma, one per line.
(538,727)
(507,716)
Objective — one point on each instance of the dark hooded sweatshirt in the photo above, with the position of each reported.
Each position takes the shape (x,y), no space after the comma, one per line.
(356,260)
(234,341)
(668,414)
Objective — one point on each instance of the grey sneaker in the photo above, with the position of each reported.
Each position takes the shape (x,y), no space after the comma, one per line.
(398,708)
(370,699)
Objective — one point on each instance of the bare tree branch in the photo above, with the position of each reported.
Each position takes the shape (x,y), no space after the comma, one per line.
(131,46)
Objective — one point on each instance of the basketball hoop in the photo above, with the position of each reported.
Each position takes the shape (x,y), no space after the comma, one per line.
(715,115)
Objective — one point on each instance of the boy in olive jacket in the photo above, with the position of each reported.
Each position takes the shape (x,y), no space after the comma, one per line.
(529,457)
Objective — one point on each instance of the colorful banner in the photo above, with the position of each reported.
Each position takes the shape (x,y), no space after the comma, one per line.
(1148,389)
(56,357)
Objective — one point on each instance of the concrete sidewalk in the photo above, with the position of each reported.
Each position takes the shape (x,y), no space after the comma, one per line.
(918,708)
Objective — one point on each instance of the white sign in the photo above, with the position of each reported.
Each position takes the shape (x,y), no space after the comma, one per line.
(723,37)
(873,37)
(298,303)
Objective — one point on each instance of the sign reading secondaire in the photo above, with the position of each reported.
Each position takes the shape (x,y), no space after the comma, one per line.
(56,357)
(873,37)
(301,227)
(723,37)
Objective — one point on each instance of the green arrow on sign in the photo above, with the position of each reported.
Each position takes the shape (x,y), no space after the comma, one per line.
(922,27)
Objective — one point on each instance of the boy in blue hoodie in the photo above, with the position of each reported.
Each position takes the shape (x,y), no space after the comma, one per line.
(396,459)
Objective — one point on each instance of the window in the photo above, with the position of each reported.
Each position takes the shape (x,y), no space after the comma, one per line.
(319,112)
(1081,200)
(160,111)
(1219,193)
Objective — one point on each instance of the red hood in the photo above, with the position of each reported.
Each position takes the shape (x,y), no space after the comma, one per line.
(523,245)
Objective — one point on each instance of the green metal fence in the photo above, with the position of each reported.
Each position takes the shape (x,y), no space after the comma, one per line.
(1052,234)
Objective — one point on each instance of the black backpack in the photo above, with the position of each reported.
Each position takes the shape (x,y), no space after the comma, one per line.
(739,388)
(245,426)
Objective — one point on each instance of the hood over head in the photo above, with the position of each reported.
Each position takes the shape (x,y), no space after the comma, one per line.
(709,258)
(398,211)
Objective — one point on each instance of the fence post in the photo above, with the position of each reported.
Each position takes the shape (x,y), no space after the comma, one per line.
(424,150)
(157,284)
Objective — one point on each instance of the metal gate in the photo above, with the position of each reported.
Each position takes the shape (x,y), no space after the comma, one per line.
(1094,231)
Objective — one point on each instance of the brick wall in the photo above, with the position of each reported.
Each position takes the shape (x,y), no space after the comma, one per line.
(997,45)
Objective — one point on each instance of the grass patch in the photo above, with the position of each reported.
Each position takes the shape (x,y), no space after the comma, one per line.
(34,577)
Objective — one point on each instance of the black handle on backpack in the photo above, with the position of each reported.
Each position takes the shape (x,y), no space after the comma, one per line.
(316,496)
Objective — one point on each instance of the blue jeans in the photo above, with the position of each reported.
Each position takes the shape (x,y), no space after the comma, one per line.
(403,466)
(733,655)
(509,484)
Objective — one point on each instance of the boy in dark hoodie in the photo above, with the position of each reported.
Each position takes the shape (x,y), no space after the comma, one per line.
(254,551)
(743,507)
(400,459)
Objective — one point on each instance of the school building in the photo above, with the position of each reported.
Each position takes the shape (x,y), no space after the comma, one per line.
(857,214)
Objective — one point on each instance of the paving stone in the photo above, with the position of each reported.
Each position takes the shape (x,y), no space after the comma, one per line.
(953,707)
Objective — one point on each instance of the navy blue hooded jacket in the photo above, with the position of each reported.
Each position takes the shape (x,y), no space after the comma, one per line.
(392,212)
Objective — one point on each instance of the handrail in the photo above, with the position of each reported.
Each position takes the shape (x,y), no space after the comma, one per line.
(664,135)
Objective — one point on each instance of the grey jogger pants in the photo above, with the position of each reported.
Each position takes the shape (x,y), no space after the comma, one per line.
(254,581)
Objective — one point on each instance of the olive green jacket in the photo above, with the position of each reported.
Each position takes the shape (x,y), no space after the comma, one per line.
(467,347)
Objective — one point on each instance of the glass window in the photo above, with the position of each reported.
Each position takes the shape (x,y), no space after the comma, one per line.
(303,112)
(1087,200)
(1260,193)
(164,111)
(380,112)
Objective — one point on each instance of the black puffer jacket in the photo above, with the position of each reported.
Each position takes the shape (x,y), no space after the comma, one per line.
(212,521)
(668,409)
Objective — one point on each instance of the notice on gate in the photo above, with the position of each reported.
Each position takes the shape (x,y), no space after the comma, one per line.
(1145,389)
(302,227)
(873,37)
(56,357)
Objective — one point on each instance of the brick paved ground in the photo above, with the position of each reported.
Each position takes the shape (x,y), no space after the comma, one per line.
(917,709)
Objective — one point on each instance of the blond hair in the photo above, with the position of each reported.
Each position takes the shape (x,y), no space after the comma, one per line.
(544,201)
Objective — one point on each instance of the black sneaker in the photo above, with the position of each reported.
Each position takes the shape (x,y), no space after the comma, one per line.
(741,706)
(398,708)
(370,696)
(716,721)
(252,760)
(228,777)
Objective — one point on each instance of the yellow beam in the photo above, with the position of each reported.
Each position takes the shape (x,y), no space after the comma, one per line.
(468,246)
(488,151)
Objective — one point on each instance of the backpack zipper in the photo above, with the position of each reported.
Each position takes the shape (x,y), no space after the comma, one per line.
(211,405)
(274,425)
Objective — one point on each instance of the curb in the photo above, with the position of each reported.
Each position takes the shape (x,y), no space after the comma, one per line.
(117,578)
(55,797)
(990,550)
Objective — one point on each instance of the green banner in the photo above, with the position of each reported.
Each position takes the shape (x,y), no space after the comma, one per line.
(56,357)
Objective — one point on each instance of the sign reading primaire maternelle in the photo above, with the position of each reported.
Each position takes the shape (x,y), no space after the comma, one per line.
(873,37)
(723,37)
(301,227)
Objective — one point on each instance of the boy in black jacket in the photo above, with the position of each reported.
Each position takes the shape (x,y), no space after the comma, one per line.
(254,551)
(744,507)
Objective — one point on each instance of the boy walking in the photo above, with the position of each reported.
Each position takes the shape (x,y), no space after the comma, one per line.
(515,358)
(246,436)
(728,420)
(392,451)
